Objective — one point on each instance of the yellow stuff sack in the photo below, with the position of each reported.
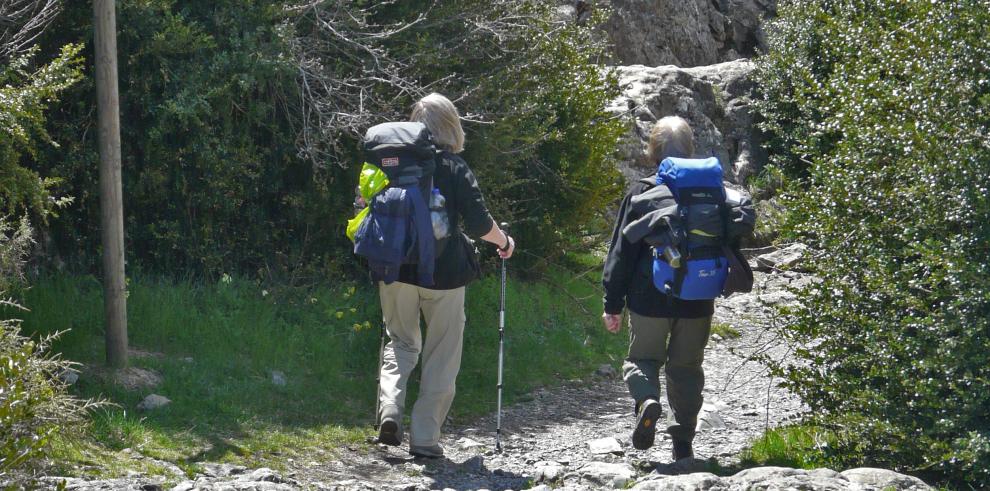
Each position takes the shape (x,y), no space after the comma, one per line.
(370,182)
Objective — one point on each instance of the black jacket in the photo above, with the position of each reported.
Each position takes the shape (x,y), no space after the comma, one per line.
(628,275)
(457,264)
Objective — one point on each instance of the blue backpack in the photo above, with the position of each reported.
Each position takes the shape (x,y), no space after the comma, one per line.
(697,250)
(398,229)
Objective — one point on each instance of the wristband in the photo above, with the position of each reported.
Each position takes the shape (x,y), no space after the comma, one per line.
(508,242)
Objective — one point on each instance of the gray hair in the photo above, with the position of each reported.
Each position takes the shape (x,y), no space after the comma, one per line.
(670,137)
(442,119)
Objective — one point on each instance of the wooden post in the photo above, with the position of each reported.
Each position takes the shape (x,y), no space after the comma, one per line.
(111,202)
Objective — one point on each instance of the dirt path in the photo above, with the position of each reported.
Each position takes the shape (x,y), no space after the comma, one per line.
(547,438)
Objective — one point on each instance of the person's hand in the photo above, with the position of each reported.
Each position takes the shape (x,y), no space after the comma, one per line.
(613,322)
(507,253)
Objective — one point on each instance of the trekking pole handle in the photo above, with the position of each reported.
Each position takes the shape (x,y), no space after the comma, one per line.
(504,227)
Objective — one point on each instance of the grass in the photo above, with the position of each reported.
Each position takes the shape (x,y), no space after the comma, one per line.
(801,446)
(726,331)
(216,346)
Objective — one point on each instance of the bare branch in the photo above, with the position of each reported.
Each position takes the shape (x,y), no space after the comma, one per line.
(21,22)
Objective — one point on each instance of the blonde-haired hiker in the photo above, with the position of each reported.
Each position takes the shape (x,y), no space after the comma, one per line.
(664,332)
(442,303)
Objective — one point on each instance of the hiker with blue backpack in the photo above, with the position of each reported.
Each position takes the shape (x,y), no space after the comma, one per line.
(674,249)
(422,198)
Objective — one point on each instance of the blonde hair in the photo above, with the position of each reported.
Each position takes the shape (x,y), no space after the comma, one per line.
(670,137)
(441,118)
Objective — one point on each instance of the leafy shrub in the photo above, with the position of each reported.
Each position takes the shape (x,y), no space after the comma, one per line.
(210,175)
(26,92)
(34,404)
(880,113)
(240,122)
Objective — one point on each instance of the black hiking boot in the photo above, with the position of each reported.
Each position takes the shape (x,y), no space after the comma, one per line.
(390,429)
(646,424)
(682,450)
(390,433)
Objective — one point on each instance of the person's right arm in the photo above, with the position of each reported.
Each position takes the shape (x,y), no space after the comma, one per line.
(620,265)
(477,221)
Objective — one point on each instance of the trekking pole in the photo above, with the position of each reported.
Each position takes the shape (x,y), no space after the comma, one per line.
(381,361)
(501,339)
(378,375)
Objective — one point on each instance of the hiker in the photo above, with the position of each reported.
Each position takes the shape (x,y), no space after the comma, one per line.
(664,331)
(442,301)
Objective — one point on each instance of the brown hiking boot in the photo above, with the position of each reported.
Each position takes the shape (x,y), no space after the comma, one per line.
(646,424)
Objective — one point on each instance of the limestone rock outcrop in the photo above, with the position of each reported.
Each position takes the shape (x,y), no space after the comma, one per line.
(686,33)
(716,100)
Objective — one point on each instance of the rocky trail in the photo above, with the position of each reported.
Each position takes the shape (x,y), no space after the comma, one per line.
(577,436)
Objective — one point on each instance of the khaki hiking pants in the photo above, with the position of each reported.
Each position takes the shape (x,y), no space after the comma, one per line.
(677,345)
(443,311)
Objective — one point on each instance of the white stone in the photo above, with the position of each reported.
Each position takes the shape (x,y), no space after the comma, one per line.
(884,479)
(710,418)
(153,401)
(789,257)
(468,444)
(605,445)
(687,482)
(606,474)
(547,471)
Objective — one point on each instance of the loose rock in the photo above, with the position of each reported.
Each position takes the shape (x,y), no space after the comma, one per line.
(605,474)
(152,402)
(607,371)
(603,446)
(884,479)
(69,376)
(788,258)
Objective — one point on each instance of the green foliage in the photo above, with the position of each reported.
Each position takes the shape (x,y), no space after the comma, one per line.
(238,156)
(210,174)
(216,345)
(880,112)
(549,157)
(26,92)
(34,403)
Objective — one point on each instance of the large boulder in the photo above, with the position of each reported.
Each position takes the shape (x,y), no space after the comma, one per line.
(716,100)
(686,33)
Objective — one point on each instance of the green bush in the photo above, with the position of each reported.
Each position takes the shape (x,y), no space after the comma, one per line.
(27,91)
(236,160)
(211,179)
(880,113)
(34,403)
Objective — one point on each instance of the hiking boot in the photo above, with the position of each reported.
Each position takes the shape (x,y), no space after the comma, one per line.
(646,424)
(434,451)
(682,450)
(390,429)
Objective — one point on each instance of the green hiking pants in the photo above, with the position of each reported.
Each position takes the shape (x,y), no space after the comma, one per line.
(677,345)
